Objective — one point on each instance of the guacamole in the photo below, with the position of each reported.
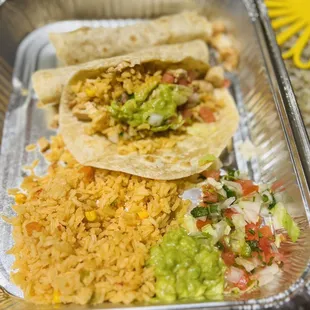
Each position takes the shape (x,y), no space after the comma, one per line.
(187,268)
(154,105)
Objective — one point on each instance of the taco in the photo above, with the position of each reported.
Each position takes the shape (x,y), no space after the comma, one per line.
(149,114)
(48,83)
(86,44)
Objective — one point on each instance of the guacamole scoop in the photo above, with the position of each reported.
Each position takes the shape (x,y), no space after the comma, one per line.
(154,105)
(187,268)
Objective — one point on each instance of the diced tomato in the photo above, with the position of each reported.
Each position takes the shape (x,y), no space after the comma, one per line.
(243,282)
(168,78)
(268,256)
(207,115)
(187,113)
(200,223)
(226,83)
(278,186)
(229,212)
(251,231)
(247,187)
(228,258)
(215,174)
(266,231)
(33,226)
(265,245)
(183,81)
(209,194)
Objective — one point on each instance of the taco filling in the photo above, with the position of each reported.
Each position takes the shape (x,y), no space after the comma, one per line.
(145,101)
(155,113)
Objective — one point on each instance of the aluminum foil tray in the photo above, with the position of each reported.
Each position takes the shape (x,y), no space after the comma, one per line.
(261,88)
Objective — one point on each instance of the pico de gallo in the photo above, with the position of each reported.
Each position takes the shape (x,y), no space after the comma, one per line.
(247,222)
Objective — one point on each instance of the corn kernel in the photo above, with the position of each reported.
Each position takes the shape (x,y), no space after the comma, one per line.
(91,216)
(20,198)
(90,92)
(143,214)
(56,297)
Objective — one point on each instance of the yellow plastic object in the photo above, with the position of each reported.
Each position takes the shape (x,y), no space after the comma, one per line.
(294,16)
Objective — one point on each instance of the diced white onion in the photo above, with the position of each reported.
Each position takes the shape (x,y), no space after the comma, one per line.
(228,202)
(263,187)
(238,221)
(268,220)
(237,209)
(257,198)
(247,264)
(264,211)
(234,275)
(155,119)
(215,184)
(267,274)
(233,186)
(222,192)
(251,210)
(268,195)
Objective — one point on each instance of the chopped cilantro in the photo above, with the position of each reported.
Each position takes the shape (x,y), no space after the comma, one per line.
(253,245)
(271,206)
(229,222)
(229,192)
(213,209)
(273,203)
(220,245)
(200,211)
(232,175)
(251,231)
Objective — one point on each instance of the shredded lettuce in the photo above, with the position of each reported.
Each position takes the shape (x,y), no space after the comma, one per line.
(206,159)
(200,211)
(283,220)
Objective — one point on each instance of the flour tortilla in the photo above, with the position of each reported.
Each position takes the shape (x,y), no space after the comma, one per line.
(86,44)
(201,138)
(48,84)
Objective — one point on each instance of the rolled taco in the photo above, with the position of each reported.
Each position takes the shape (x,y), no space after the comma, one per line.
(48,84)
(155,115)
(86,44)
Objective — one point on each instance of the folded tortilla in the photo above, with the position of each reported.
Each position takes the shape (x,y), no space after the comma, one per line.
(184,159)
(86,44)
(48,84)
